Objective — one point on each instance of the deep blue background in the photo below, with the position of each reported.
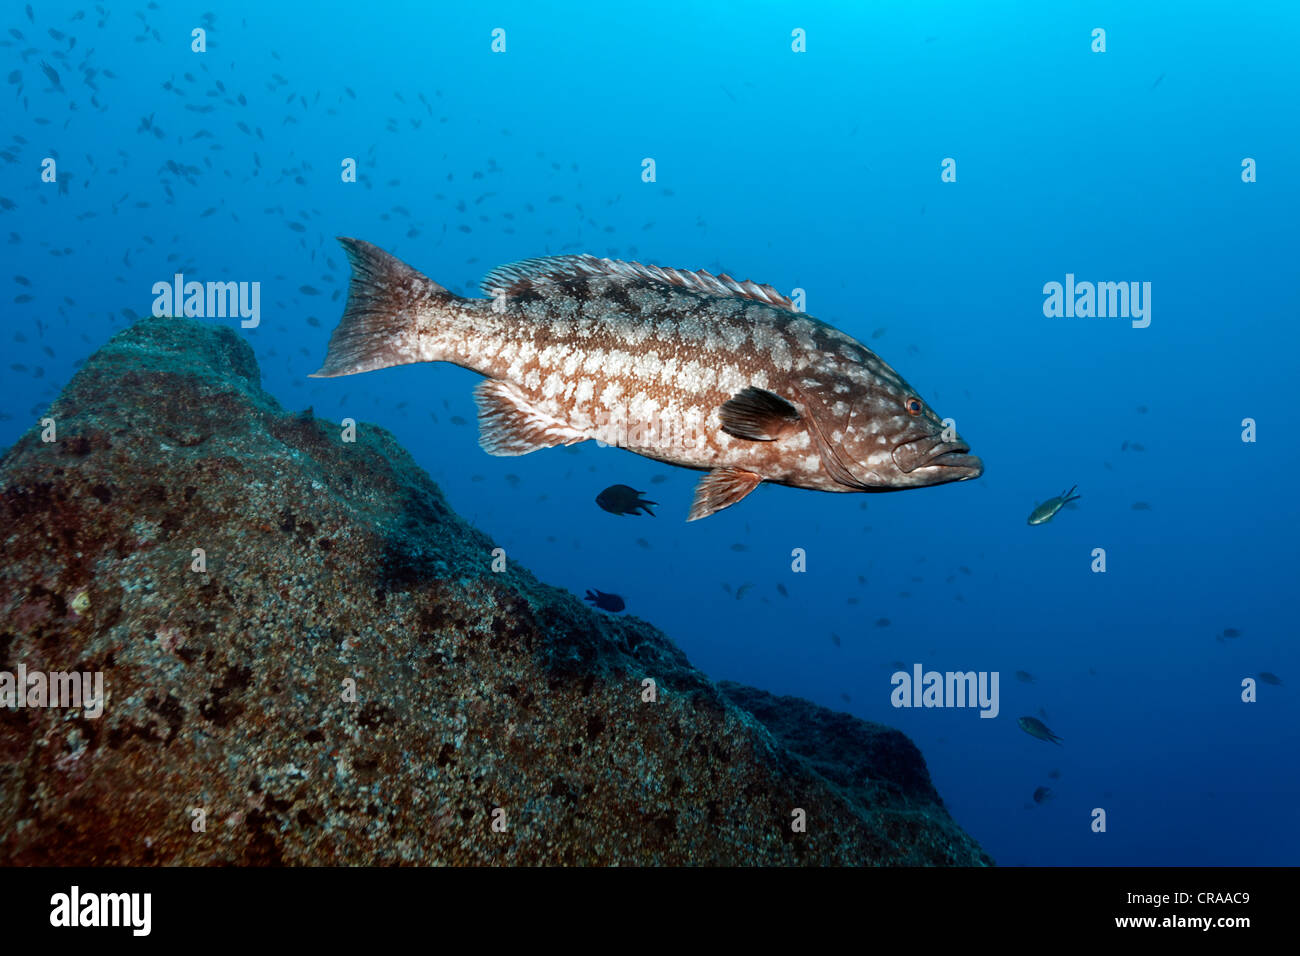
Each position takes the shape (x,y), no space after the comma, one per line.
(820,171)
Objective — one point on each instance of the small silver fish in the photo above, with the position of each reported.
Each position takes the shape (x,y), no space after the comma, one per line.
(1048,509)
(1036,728)
(682,367)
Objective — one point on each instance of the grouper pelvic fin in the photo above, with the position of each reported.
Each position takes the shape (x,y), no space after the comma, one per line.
(533,274)
(509,425)
(758,415)
(721,488)
(379,327)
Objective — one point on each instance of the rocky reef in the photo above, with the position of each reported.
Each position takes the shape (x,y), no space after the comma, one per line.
(308,659)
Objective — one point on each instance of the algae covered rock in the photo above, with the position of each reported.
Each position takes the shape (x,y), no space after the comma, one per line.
(307,658)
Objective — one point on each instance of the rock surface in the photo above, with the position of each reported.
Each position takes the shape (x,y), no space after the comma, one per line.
(481,697)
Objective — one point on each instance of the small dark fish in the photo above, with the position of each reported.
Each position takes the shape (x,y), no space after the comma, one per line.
(1036,728)
(1024,677)
(606,602)
(780,589)
(624,500)
(1041,794)
(1048,509)
(1231,632)
(882,622)
(1053,774)
(835,639)
(1269,678)
(1141,506)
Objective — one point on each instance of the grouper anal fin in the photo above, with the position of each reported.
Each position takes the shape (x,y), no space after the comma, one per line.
(509,425)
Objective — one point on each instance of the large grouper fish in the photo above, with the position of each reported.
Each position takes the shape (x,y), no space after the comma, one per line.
(686,368)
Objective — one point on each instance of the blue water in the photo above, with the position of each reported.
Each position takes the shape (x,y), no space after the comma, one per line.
(820,171)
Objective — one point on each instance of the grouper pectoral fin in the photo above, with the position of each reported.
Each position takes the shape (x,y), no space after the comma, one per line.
(509,425)
(758,415)
(721,488)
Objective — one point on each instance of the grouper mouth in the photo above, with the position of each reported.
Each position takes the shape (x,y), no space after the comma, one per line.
(951,460)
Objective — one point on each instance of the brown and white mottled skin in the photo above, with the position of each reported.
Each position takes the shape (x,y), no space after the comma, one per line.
(682,367)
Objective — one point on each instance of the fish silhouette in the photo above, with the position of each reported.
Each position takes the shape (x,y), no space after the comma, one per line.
(606,602)
(624,500)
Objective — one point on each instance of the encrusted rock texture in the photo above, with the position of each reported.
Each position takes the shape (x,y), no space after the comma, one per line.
(495,720)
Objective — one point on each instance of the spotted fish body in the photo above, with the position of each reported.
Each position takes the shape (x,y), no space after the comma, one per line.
(682,367)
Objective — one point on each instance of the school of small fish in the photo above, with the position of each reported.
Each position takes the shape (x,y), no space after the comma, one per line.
(569,344)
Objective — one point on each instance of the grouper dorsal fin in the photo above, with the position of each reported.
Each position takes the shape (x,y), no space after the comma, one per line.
(530,274)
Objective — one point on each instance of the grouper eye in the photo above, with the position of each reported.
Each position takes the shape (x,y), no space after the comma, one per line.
(913,406)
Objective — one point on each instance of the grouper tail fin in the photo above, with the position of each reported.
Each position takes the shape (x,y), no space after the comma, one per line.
(381,325)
